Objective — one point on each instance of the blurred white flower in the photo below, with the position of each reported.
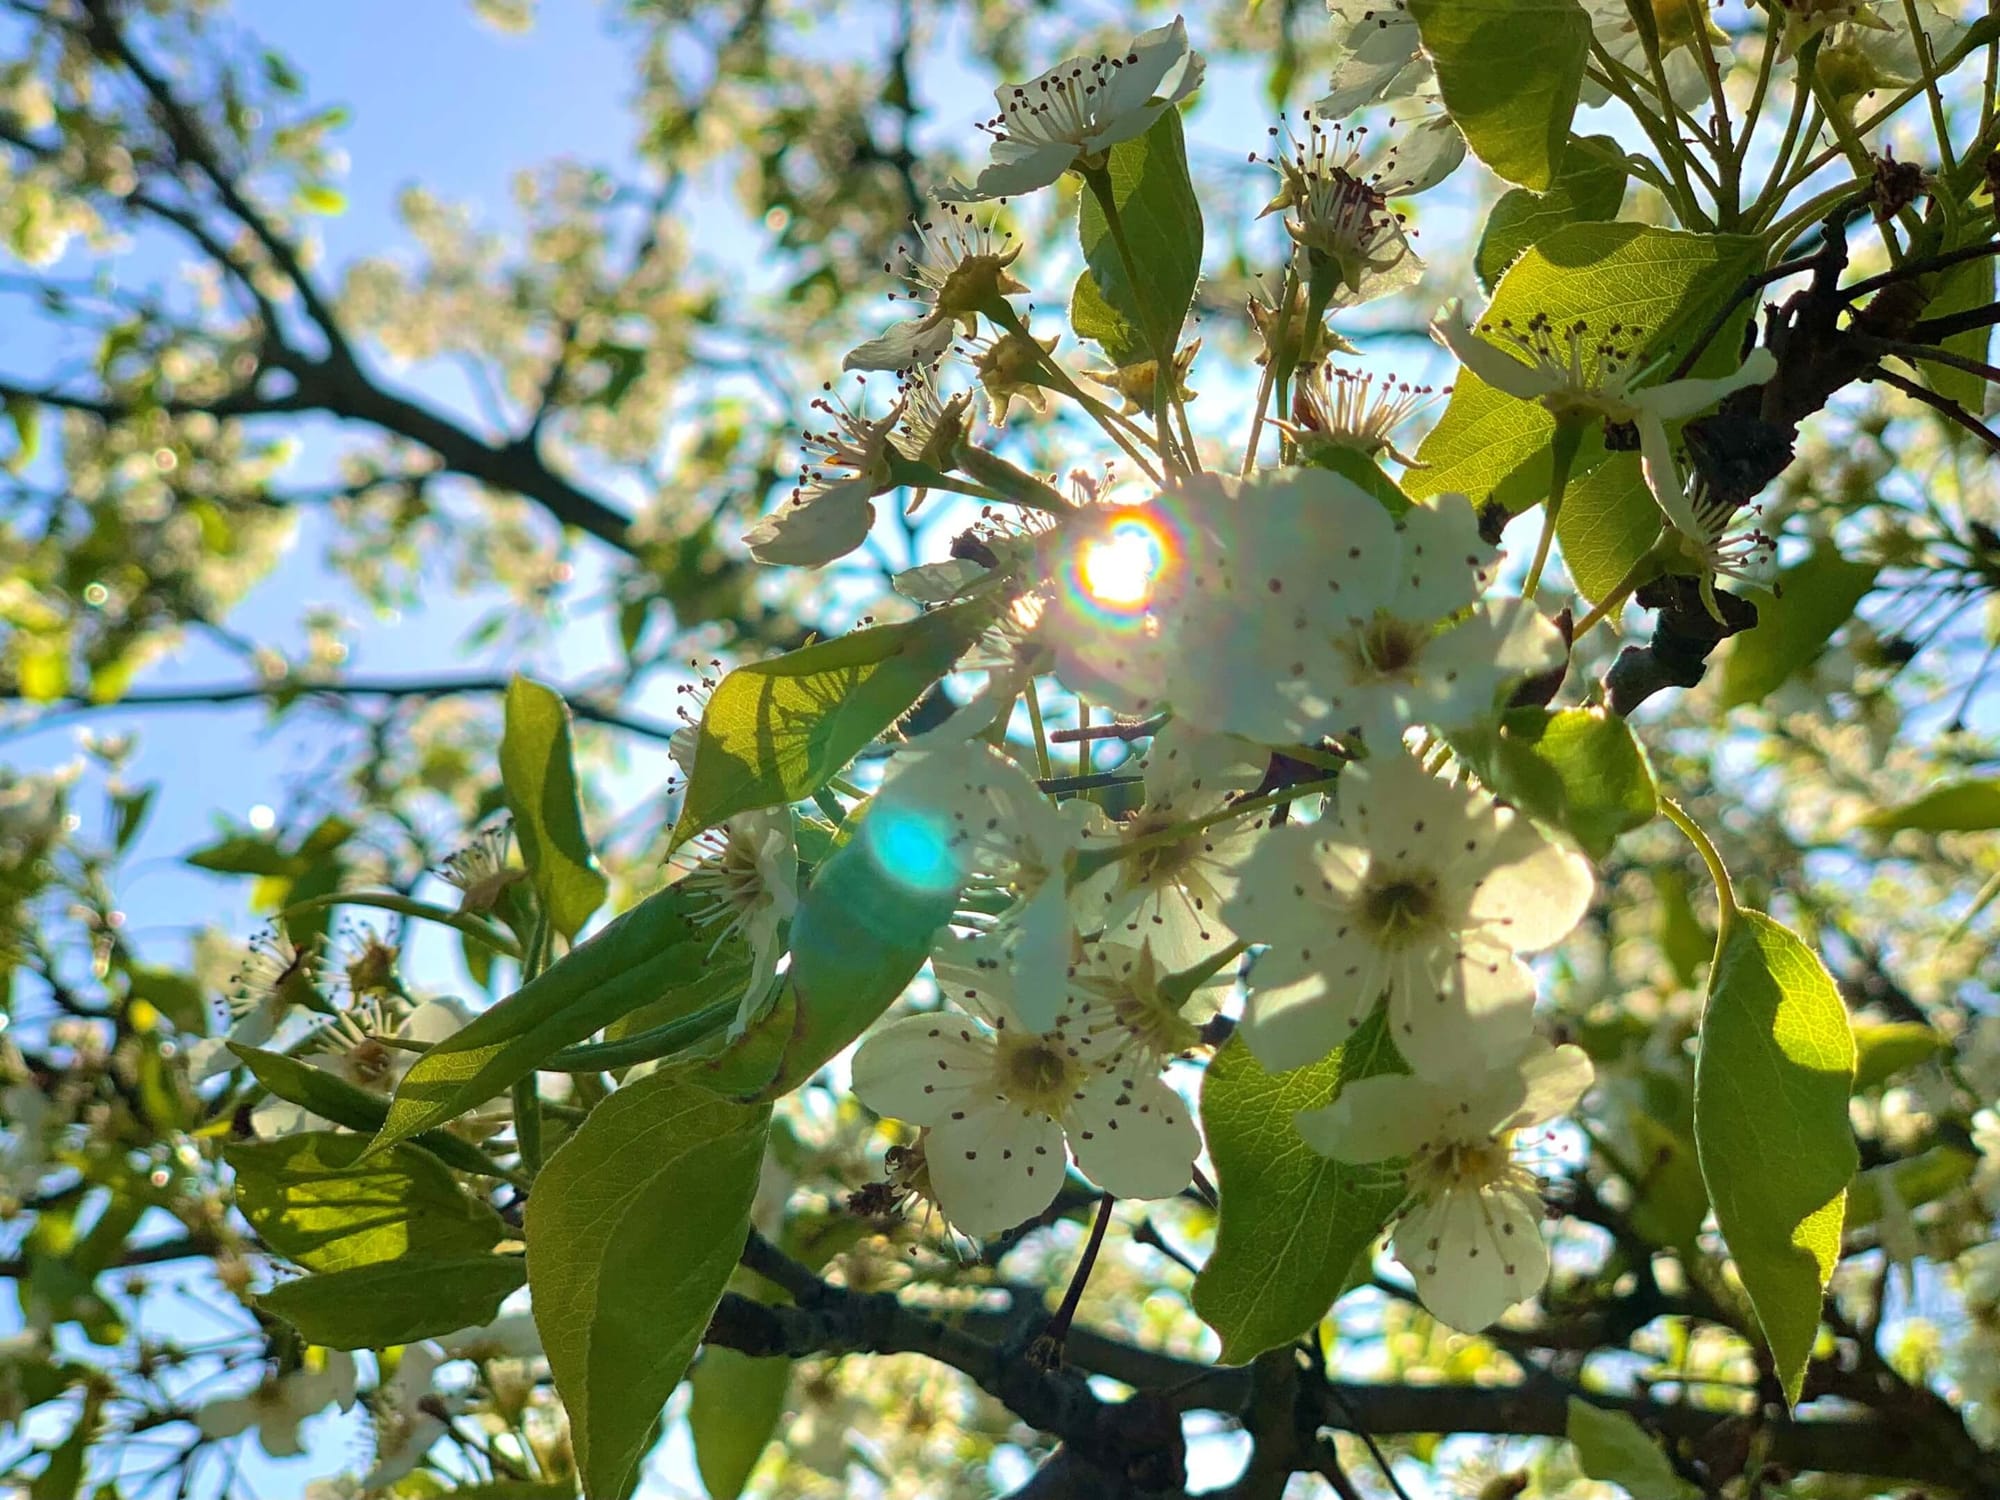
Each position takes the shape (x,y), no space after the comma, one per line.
(279,1404)
(360,1048)
(409,1416)
(1412,887)
(1470,1231)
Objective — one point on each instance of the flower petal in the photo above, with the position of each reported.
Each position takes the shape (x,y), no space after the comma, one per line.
(904,346)
(1377,1119)
(1474,1254)
(1480,1007)
(1132,1136)
(1555,1079)
(1677,400)
(1536,891)
(922,1068)
(809,535)
(993,1169)
(1489,362)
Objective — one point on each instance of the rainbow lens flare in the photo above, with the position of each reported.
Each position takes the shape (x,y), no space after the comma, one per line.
(1117,571)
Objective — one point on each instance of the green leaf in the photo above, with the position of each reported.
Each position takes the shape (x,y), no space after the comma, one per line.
(1589,188)
(26,418)
(174,995)
(538,769)
(1608,522)
(862,931)
(1970,806)
(62,1477)
(1579,769)
(1295,1227)
(318,198)
(1353,464)
(1960,289)
(657,954)
(1882,1051)
(396,1302)
(1771,1083)
(309,1201)
(1916,1180)
(1684,942)
(1611,1446)
(1662,282)
(633,1229)
(339,1101)
(1510,72)
(736,1406)
(777,731)
(1162,222)
(1814,599)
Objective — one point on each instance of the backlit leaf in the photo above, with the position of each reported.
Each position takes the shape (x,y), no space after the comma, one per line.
(1510,72)
(1771,1084)
(537,766)
(396,1302)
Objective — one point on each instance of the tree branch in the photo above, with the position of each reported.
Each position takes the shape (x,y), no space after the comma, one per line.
(282,693)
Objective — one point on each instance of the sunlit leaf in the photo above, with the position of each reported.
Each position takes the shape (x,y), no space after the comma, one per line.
(1772,1079)
(1162,221)
(538,768)
(1814,598)
(633,1229)
(1510,72)
(1295,1226)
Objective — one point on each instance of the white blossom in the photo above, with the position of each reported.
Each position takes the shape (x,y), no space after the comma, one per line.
(956,272)
(833,504)
(280,1403)
(1681,25)
(1354,409)
(409,1416)
(1079,108)
(1169,894)
(1575,370)
(1336,198)
(746,882)
(480,871)
(965,812)
(1470,1226)
(1378,57)
(1700,523)
(359,1048)
(1001,1100)
(1291,605)
(1413,888)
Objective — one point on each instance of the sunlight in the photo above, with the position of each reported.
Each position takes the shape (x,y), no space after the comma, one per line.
(1117,571)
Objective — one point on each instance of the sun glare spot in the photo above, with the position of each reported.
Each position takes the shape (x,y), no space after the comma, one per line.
(1118,570)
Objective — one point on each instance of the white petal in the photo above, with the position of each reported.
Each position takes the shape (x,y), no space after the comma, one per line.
(1444,561)
(1676,400)
(226,1418)
(1013,172)
(1132,1136)
(904,346)
(1294,1024)
(1039,942)
(1555,1079)
(1489,362)
(828,526)
(1663,475)
(921,1068)
(1474,1254)
(1481,1007)
(1377,1119)
(1537,891)
(995,1168)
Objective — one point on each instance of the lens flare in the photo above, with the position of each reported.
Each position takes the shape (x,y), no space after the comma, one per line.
(1118,571)
(913,847)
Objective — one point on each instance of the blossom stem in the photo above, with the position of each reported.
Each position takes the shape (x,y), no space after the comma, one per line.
(645,1046)
(1725,891)
(528,1124)
(465,922)
(1562,457)
(1010,320)
(1057,1330)
(1159,340)
(1043,770)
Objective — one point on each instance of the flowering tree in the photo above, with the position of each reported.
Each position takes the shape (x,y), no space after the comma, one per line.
(1246,929)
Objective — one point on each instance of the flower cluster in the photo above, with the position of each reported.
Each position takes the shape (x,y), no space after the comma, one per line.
(1295,849)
